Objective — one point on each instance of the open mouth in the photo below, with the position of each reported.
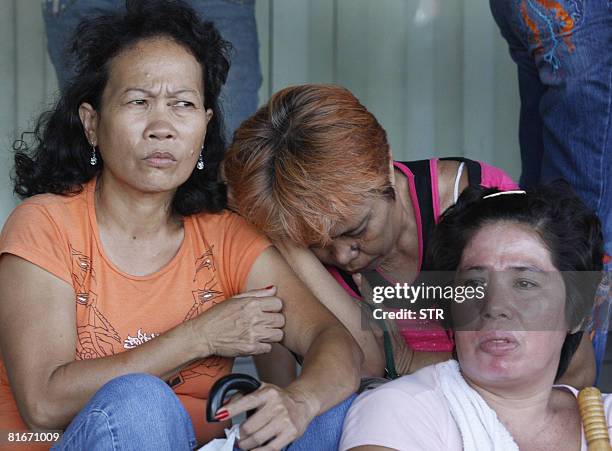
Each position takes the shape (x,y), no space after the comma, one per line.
(498,343)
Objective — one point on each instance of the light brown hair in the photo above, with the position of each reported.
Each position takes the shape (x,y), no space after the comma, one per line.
(305,161)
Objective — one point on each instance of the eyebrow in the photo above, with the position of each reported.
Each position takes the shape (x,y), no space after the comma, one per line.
(521,268)
(172,93)
(530,268)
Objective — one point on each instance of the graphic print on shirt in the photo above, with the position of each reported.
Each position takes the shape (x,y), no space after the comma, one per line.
(82,271)
(206,294)
(203,296)
(206,261)
(139,338)
(209,367)
(207,289)
(97,336)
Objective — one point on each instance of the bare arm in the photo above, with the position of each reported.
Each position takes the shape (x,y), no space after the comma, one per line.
(332,359)
(277,367)
(330,371)
(38,340)
(320,282)
(347,310)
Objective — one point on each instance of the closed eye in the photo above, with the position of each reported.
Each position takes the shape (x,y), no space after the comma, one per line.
(357,233)
(360,230)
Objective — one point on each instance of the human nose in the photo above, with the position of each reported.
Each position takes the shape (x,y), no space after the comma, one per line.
(345,251)
(498,301)
(160,127)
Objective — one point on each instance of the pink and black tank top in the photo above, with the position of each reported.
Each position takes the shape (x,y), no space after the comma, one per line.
(422,176)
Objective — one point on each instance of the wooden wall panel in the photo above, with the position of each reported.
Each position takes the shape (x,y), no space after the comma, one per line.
(30,62)
(263,12)
(448,80)
(8,106)
(478,82)
(372,38)
(419,121)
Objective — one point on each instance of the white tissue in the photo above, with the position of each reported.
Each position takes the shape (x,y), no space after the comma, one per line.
(224,444)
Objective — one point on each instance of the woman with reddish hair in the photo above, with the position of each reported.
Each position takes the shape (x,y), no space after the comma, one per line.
(313,169)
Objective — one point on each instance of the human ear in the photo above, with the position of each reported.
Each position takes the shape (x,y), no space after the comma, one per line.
(89,119)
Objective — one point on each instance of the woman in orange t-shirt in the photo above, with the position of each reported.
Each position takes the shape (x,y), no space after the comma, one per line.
(125,288)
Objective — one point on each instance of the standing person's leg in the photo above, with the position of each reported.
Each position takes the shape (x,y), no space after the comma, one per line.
(235,19)
(569,41)
(61,19)
(531,89)
(599,323)
(132,412)
(576,66)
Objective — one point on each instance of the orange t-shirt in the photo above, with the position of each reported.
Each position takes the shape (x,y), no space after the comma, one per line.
(116,311)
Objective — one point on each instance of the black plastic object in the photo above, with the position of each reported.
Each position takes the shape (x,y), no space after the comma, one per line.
(242,383)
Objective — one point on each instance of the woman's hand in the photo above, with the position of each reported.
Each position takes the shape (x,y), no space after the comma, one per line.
(282,416)
(244,325)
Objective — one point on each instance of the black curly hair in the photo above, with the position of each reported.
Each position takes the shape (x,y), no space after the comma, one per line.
(58,160)
(569,229)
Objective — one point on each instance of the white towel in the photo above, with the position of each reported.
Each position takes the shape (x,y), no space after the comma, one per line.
(480,429)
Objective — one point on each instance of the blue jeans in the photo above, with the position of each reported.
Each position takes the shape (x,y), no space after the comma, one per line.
(131,412)
(564,60)
(140,411)
(235,19)
(325,431)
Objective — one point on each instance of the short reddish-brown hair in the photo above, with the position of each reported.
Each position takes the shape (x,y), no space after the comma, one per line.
(305,161)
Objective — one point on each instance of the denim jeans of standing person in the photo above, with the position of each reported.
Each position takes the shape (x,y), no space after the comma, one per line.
(563,50)
(140,411)
(235,19)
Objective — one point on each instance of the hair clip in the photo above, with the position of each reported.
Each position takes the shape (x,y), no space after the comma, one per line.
(516,191)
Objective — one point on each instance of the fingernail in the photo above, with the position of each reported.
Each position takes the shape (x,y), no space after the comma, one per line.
(221,415)
(268,287)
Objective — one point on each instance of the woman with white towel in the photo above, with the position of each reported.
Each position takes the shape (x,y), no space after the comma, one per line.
(537,256)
